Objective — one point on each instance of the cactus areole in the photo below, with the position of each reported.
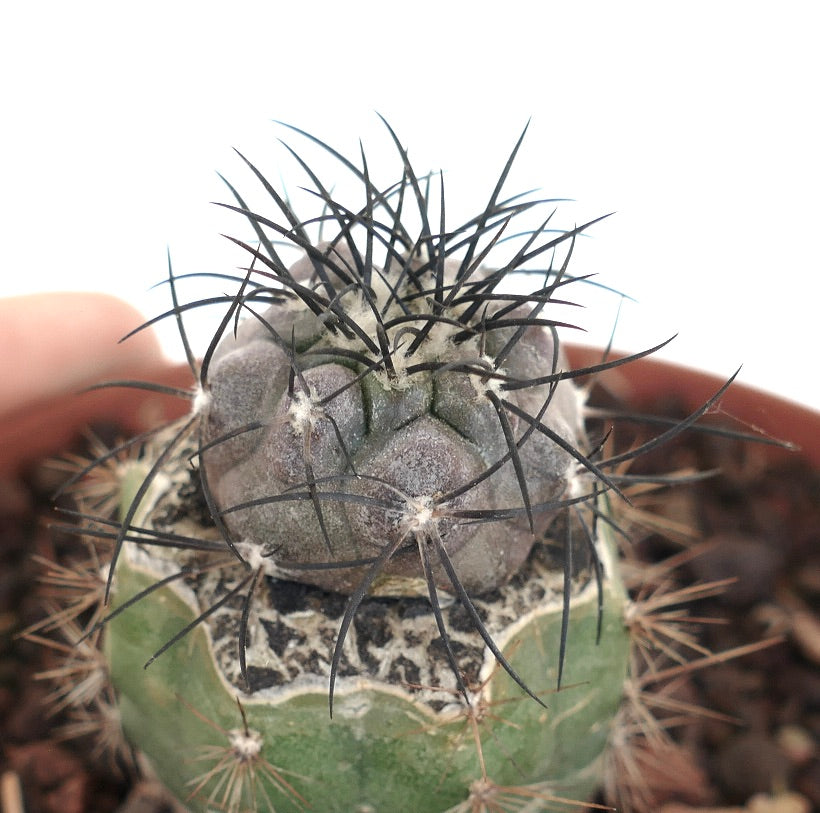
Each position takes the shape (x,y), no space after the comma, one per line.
(377,547)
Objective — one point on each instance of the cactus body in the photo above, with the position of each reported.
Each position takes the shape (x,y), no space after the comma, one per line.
(397,740)
(380,543)
(381,450)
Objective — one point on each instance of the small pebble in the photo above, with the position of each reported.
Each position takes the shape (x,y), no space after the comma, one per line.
(761,803)
(796,743)
(749,764)
(753,562)
(782,803)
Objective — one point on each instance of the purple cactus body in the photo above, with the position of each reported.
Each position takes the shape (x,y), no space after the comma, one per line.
(346,456)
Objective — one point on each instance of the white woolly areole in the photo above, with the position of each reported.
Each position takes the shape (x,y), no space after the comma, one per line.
(253,555)
(483,385)
(245,744)
(304,412)
(201,401)
(418,515)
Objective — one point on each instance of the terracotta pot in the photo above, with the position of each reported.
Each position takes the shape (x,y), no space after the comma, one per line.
(643,381)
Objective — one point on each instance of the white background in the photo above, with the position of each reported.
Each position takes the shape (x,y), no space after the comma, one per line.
(696,122)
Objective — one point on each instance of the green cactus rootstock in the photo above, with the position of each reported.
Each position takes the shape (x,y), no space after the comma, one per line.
(376,568)
(381,750)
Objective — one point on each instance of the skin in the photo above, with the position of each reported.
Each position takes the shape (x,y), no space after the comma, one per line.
(54,346)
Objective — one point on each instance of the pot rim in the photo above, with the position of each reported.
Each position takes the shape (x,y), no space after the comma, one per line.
(757,411)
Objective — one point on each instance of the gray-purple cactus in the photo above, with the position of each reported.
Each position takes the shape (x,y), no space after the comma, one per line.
(328,444)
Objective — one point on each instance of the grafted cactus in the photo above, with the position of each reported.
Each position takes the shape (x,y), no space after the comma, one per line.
(385,497)
(423,412)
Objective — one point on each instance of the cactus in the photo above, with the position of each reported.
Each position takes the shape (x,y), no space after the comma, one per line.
(377,567)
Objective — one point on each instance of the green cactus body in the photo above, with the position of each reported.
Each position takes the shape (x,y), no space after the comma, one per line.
(391,745)
(381,542)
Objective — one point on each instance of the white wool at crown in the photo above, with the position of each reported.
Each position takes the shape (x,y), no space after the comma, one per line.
(699,137)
